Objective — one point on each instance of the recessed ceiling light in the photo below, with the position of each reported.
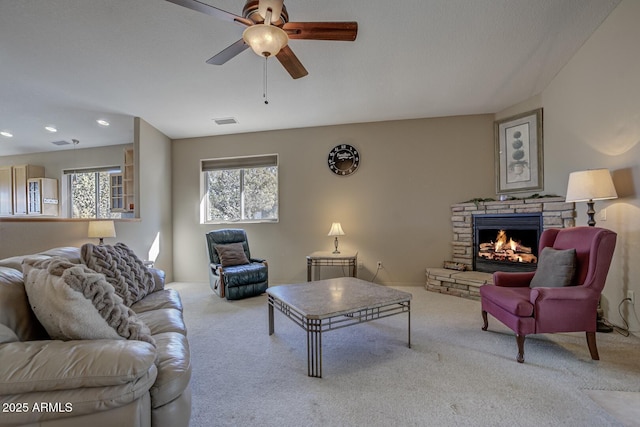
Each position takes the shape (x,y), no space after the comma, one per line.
(51,129)
(6,133)
(102,122)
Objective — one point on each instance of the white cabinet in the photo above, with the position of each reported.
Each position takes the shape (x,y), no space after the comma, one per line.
(128,187)
(116,195)
(122,191)
(21,174)
(42,196)
(6,190)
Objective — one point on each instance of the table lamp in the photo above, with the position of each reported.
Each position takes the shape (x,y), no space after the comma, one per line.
(590,185)
(336,230)
(101,229)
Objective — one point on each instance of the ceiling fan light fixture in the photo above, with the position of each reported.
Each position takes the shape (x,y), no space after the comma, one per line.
(265,40)
(273,6)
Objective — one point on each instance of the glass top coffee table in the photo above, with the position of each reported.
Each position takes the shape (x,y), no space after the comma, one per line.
(325,305)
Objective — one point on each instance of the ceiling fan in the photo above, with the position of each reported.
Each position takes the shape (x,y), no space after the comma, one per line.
(268,31)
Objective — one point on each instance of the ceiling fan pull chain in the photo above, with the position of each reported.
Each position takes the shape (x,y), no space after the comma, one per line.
(264,82)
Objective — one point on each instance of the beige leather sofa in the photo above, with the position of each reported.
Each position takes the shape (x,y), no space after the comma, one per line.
(91,383)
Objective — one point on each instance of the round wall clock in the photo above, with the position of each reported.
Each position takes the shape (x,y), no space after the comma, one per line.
(343,159)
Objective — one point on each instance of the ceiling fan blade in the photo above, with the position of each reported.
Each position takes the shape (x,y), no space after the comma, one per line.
(228,53)
(343,31)
(213,11)
(291,63)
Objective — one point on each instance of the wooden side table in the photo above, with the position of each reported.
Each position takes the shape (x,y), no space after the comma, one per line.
(329,259)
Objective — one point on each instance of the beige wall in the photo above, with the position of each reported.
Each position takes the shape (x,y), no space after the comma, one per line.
(394,209)
(26,237)
(592,120)
(154,231)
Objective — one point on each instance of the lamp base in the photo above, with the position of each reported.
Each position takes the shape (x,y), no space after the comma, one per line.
(335,243)
(591,212)
(603,327)
(600,325)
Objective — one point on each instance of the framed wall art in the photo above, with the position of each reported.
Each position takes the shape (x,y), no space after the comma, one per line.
(518,153)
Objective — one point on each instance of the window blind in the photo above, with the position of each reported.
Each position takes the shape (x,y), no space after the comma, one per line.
(239,162)
(91,170)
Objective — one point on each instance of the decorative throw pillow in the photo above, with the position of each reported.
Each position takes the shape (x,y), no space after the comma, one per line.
(74,302)
(121,267)
(556,268)
(231,254)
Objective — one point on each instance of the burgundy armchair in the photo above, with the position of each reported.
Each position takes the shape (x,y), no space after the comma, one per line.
(548,309)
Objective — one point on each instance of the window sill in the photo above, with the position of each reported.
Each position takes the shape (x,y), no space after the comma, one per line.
(26,218)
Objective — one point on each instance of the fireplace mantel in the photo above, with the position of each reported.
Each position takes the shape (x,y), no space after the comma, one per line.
(556,213)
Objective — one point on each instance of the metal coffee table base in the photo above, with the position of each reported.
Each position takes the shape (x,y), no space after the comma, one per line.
(315,324)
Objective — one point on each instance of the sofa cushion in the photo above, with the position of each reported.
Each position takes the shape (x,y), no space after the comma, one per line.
(126,272)
(16,261)
(53,366)
(164,320)
(556,268)
(513,300)
(166,298)
(70,253)
(74,302)
(240,275)
(231,254)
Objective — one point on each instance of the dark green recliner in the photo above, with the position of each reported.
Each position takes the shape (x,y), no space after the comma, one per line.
(233,274)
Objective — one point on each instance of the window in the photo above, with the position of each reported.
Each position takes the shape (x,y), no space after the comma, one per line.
(88,192)
(240,189)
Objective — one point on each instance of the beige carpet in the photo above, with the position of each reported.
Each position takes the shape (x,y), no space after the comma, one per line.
(454,375)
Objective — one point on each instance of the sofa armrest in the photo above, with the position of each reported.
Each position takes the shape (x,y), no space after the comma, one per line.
(40,366)
(566,293)
(257,260)
(215,268)
(158,278)
(512,279)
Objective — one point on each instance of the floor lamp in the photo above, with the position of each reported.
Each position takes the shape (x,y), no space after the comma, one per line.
(588,186)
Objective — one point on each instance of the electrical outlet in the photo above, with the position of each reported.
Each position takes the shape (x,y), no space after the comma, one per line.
(631,296)
(360,265)
(379,265)
(603,214)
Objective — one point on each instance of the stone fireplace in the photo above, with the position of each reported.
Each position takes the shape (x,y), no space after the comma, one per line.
(554,213)
(547,212)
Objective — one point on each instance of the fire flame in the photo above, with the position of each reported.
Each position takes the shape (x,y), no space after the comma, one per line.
(501,241)
(505,248)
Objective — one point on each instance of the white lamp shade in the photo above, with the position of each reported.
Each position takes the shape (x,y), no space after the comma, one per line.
(265,40)
(336,230)
(593,184)
(101,229)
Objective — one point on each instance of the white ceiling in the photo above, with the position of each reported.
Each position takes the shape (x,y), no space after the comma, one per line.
(70,62)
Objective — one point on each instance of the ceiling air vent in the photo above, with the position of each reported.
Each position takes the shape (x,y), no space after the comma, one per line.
(62,142)
(226,121)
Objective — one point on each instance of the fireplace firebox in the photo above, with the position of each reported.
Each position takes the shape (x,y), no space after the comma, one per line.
(506,242)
